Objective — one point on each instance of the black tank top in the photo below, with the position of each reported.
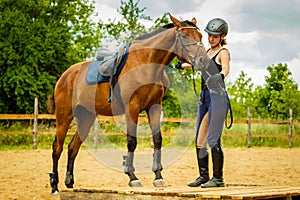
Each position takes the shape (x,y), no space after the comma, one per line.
(203,86)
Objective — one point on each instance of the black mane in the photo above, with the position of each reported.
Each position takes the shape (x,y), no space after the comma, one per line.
(163,28)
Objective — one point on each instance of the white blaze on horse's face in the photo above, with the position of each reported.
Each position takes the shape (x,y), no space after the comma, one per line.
(192,48)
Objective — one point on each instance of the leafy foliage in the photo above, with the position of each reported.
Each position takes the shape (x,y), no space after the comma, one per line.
(279,95)
(241,95)
(39,41)
(273,101)
(132,24)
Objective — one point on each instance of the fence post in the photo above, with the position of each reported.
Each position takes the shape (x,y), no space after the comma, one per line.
(291,128)
(249,128)
(96,129)
(35,121)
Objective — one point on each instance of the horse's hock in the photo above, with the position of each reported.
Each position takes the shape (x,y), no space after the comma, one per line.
(229,192)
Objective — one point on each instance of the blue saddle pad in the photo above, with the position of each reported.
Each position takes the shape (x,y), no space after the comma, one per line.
(94,77)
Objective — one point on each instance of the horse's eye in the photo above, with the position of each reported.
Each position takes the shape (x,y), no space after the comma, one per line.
(184,36)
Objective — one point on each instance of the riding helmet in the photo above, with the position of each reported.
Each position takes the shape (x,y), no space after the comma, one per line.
(217,26)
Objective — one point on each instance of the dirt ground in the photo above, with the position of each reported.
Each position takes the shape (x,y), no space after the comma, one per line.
(24,174)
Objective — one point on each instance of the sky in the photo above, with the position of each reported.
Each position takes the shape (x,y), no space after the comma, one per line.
(261,32)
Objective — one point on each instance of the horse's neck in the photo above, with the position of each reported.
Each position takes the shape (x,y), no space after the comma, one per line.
(157,49)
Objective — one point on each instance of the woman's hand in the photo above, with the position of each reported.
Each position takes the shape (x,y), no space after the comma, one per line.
(214,80)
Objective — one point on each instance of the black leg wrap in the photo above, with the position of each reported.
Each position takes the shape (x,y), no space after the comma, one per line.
(129,170)
(53,182)
(157,166)
(69,181)
(128,163)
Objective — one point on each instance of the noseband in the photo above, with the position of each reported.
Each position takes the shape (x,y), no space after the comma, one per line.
(191,58)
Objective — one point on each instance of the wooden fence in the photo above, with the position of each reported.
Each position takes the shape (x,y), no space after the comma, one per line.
(35,117)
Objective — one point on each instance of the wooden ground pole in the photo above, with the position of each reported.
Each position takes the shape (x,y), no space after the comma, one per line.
(229,192)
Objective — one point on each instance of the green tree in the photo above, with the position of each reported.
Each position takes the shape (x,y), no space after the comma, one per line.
(182,87)
(132,23)
(39,40)
(279,94)
(241,95)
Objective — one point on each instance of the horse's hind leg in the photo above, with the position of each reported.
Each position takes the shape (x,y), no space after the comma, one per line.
(85,120)
(63,120)
(154,121)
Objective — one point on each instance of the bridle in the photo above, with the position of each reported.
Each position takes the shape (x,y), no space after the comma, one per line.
(191,58)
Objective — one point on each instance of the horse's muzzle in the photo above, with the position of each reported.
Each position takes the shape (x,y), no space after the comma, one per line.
(202,63)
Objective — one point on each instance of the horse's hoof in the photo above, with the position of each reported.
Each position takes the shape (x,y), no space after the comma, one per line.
(55,193)
(159,183)
(135,183)
(69,185)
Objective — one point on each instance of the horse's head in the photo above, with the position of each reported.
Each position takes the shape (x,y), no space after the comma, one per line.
(188,45)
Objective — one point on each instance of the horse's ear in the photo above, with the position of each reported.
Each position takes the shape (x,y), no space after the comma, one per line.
(194,21)
(175,21)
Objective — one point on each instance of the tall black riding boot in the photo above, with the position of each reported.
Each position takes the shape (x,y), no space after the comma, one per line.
(217,160)
(203,169)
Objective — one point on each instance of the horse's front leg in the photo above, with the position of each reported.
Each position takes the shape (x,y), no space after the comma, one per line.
(129,169)
(154,121)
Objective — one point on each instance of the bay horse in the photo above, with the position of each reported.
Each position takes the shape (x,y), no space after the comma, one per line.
(141,85)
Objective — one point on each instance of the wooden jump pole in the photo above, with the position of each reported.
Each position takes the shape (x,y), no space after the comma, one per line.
(35,123)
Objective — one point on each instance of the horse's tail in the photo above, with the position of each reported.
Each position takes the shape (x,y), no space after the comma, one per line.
(51,103)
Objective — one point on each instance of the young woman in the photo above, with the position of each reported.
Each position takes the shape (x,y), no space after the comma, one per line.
(213,106)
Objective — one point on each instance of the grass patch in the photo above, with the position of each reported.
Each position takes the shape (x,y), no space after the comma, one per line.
(179,135)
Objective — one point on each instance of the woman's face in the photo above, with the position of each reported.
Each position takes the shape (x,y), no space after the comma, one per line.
(214,40)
